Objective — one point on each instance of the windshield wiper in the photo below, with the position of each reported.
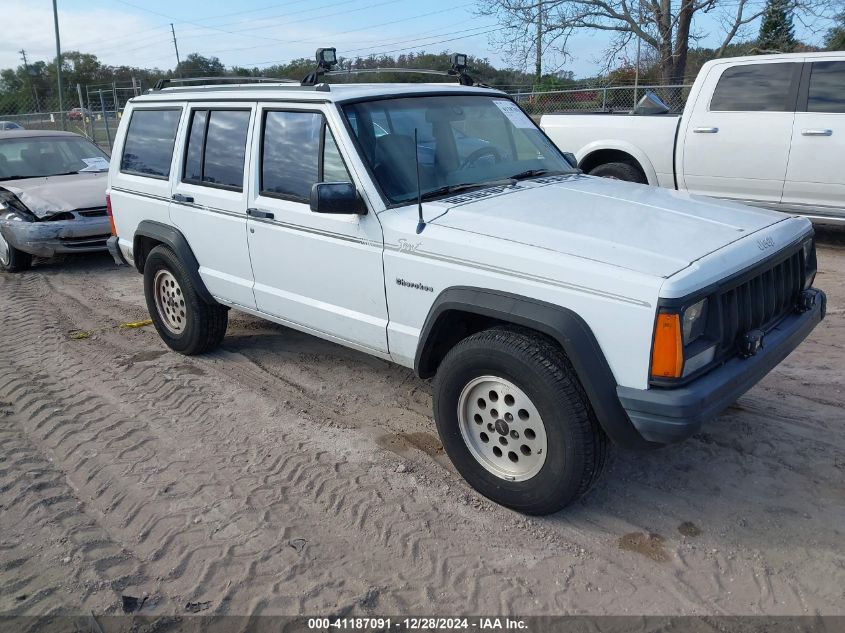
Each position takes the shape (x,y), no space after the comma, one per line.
(464,186)
(534,173)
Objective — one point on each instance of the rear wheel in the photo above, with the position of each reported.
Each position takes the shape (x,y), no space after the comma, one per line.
(183,320)
(619,171)
(515,421)
(13,260)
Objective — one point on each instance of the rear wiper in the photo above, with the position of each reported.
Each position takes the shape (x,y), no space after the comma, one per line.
(464,186)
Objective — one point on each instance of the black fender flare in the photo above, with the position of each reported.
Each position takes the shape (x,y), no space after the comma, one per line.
(563,325)
(176,241)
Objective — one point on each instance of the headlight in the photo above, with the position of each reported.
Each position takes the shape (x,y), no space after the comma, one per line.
(14,209)
(694,321)
(675,353)
(808,250)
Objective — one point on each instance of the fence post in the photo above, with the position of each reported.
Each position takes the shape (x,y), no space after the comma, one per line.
(604,98)
(105,118)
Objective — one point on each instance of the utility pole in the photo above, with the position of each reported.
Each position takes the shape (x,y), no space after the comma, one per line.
(639,45)
(29,78)
(172,30)
(538,64)
(59,64)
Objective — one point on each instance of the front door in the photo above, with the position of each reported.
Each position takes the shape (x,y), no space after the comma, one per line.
(321,273)
(815,178)
(736,143)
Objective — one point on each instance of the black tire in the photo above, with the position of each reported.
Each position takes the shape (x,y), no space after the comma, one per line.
(620,171)
(205,323)
(577,448)
(15,260)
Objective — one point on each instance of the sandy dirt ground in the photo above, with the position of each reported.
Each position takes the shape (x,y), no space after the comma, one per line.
(286,475)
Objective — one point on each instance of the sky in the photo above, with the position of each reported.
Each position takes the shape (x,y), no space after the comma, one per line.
(261,32)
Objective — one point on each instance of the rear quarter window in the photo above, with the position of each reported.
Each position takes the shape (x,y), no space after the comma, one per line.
(150,138)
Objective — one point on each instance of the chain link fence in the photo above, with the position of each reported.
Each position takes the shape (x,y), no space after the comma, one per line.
(95,110)
(599,99)
(92,111)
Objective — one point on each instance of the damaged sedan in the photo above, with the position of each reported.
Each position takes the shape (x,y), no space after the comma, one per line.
(52,196)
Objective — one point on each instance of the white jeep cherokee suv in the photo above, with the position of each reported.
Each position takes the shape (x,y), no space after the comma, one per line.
(438,227)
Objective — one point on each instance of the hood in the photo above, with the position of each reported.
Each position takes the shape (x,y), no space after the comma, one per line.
(645,229)
(54,194)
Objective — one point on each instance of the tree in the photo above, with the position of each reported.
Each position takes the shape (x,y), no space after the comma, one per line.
(835,40)
(196,65)
(776,31)
(665,26)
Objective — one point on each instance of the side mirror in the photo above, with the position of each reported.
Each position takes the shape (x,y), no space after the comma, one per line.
(570,158)
(336,197)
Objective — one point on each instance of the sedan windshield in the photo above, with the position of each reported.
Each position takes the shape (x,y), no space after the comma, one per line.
(38,156)
(462,142)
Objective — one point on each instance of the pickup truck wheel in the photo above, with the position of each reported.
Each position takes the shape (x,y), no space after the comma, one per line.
(515,421)
(186,323)
(619,171)
(11,259)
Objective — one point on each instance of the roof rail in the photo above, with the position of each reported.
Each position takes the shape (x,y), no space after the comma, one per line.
(327,61)
(161,84)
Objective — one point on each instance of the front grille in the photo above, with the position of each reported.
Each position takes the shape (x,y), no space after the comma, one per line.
(95,241)
(761,301)
(93,213)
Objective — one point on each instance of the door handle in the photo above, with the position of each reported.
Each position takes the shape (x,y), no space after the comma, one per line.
(258,213)
(178,197)
(705,130)
(816,132)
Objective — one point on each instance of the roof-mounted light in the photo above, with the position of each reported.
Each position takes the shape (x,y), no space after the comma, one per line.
(326,58)
(459,62)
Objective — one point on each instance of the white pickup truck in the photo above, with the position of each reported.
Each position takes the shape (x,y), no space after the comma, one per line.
(766,130)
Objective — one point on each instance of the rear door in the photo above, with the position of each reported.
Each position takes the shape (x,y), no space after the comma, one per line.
(321,273)
(815,178)
(736,141)
(209,197)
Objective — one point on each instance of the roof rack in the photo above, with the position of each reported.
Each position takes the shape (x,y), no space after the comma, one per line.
(327,60)
(161,84)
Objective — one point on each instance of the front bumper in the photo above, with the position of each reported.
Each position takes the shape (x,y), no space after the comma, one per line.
(47,238)
(666,415)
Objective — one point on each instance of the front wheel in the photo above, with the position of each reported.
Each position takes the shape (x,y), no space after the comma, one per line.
(515,421)
(185,322)
(620,171)
(13,260)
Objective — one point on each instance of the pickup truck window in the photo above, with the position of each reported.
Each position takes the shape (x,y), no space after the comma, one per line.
(217,148)
(461,141)
(148,149)
(291,161)
(754,88)
(827,87)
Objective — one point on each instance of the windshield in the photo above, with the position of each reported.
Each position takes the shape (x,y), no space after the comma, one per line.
(463,141)
(38,156)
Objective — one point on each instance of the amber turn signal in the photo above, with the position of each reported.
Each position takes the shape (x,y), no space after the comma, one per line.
(667,355)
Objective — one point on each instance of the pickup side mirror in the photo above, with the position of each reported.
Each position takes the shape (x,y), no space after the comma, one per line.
(336,197)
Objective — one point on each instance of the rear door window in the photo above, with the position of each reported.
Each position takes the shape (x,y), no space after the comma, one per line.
(148,149)
(827,87)
(217,148)
(298,150)
(754,88)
